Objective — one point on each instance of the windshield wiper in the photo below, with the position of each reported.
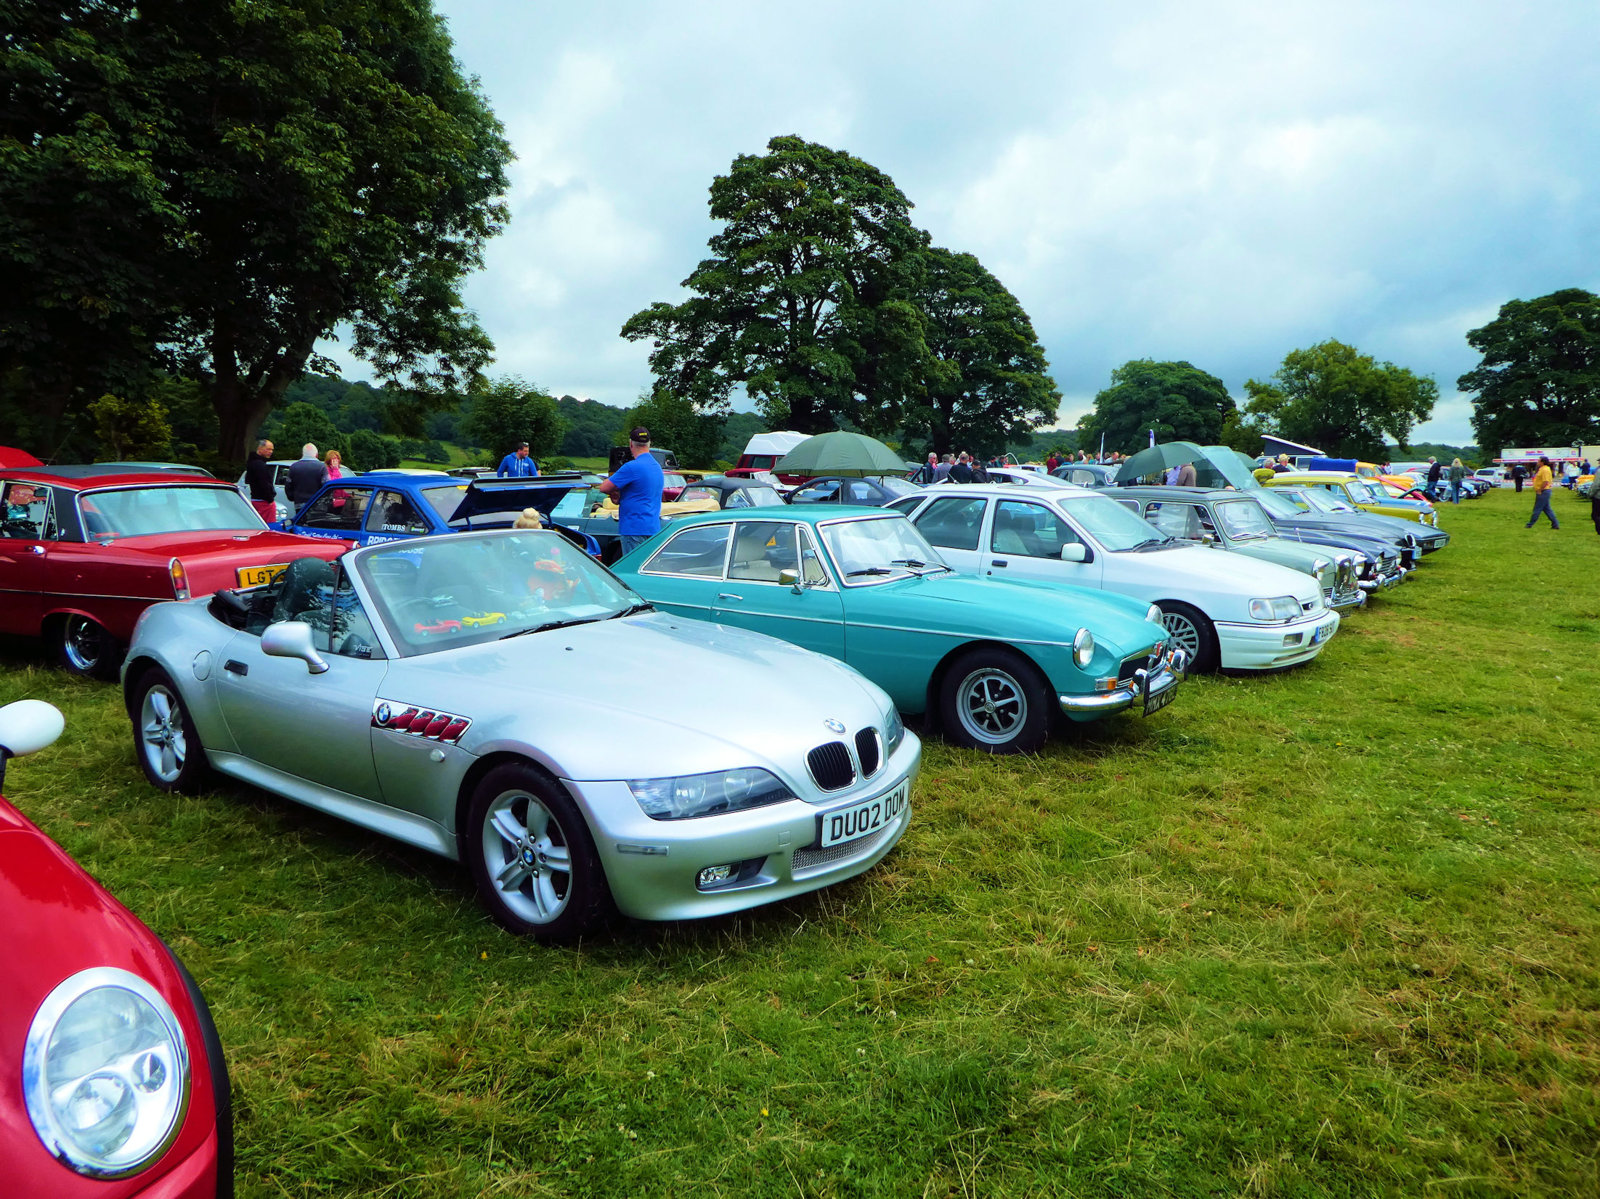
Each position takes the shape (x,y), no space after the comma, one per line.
(869,570)
(632,610)
(916,566)
(550,624)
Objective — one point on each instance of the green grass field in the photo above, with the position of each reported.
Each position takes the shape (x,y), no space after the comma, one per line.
(1334,932)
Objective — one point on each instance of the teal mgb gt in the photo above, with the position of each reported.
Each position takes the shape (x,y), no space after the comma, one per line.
(991,661)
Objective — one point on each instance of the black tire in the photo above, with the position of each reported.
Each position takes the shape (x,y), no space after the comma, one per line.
(996,700)
(1193,633)
(85,649)
(532,857)
(164,737)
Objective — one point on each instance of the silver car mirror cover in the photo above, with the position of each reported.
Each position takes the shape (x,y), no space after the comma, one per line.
(292,639)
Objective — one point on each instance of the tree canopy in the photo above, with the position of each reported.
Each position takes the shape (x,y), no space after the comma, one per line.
(506,411)
(1178,400)
(1539,381)
(213,188)
(803,300)
(1340,400)
(986,384)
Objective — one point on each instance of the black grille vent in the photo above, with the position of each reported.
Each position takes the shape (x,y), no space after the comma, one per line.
(830,766)
(1129,665)
(869,750)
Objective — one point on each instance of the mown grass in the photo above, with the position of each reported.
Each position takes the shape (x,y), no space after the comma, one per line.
(1333,932)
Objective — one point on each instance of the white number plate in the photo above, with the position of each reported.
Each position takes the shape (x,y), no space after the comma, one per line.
(863,819)
(1322,634)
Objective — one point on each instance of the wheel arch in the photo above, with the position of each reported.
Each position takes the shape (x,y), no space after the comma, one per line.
(941,671)
(502,757)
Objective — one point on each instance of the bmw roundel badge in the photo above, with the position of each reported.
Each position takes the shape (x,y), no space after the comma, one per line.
(383,713)
(833,725)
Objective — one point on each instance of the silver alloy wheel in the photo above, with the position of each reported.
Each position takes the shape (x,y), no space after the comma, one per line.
(84,643)
(1185,635)
(526,852)
(991,705)
(161,737)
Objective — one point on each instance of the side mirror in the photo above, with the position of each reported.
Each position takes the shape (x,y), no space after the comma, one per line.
(27,726)
(1208,539)
(791,580)
(1075,551)
(292,639)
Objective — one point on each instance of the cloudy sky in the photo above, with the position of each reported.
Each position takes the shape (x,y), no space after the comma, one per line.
(1219,182)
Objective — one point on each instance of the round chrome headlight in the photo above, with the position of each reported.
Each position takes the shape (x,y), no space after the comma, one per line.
(1155,614)
(105,1073)
(1083,648)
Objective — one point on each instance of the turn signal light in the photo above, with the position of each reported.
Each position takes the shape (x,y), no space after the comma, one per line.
(180,579)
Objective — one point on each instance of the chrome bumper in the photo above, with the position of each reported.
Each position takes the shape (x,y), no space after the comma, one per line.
(1143,683)
(1350,599)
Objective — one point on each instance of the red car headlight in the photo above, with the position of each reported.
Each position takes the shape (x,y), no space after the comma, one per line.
(105,1073)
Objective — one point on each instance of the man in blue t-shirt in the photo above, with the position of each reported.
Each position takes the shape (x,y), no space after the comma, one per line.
(517,464)
(637,487)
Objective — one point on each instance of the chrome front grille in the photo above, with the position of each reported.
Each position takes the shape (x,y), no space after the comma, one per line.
(830,766)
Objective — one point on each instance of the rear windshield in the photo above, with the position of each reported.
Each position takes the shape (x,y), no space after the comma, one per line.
(143,511)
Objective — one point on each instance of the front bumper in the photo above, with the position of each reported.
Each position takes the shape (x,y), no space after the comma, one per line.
(651,865)
(1356,597)
(1145,685)
(1272,646)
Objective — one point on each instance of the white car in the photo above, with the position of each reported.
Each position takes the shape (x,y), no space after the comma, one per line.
(1222,610)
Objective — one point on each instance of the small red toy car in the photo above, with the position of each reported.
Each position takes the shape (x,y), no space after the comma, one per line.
(112,1080)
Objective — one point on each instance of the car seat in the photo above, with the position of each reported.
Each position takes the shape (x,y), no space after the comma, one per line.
(298,596)
(1008,534)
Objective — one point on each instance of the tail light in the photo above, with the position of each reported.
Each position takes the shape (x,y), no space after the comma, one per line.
(180,579)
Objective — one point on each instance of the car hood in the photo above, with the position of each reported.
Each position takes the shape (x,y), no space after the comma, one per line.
(1010,609)
(485,497)
(1236,574)
(638,697)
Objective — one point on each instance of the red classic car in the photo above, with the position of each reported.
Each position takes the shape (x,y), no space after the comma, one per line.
(82,554)
(112,1080)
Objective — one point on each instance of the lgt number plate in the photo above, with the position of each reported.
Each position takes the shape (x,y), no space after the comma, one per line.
(863,819)
(254,576)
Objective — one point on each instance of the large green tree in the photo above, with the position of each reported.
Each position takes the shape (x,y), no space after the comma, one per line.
(986,384)
(1539,381)
(1340,400)
(1178,400)
(503,412)
(217,187)
(675,424)
(804,301)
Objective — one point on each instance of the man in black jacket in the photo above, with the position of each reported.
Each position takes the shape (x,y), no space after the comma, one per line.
(305,476)
(258,479)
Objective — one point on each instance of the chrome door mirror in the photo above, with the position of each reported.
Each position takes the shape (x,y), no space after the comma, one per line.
(292,639)
(791,580)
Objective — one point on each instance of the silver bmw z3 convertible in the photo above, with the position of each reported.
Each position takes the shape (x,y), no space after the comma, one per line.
(501,699)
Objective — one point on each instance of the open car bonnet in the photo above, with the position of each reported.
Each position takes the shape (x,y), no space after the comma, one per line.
(498,497)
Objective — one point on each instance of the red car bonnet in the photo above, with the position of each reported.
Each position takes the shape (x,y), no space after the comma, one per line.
(60,921)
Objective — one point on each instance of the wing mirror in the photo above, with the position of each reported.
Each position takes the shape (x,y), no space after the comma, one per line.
(1075,551)
(791,580)
(292,639)
(26,727)
(1208,539)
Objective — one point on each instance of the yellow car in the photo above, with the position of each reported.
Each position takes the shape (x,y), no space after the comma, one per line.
(1366,494)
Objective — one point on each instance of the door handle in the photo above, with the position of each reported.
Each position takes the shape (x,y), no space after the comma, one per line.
(998,562)
(234,666)
(728,595)
(38,549)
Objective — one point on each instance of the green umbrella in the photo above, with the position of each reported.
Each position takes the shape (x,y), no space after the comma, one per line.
(852,454)
(1159,458)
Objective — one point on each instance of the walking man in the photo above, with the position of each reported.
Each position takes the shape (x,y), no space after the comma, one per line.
(637,486)
(1542,481)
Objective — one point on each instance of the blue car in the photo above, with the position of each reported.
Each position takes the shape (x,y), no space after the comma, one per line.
(392,505)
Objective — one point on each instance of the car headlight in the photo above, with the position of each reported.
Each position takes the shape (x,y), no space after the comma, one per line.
(1279,607)
(105,1073)
(896,731)
(691,795)
(1083,648)
(1155,614)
